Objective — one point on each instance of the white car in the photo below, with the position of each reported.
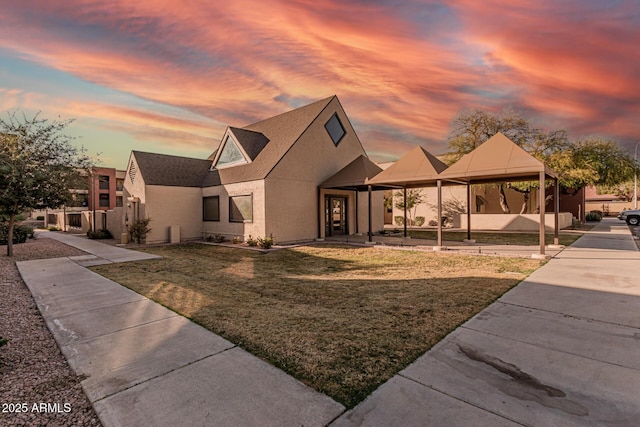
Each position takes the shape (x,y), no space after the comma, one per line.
(632,217)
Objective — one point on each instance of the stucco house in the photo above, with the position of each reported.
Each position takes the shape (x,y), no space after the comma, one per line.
(265,179)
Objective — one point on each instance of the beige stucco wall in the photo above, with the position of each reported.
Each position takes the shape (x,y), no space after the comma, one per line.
(515,222)
(168,206)
(292,202)
(315,158)
(256,228)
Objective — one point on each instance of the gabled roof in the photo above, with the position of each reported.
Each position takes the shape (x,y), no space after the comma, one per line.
(163,169)
(354,174)
(498,158)
(417,167)
(269,140)
(252,142)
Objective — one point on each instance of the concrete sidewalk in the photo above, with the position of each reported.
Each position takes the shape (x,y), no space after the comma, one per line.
(561,348)
(147,366)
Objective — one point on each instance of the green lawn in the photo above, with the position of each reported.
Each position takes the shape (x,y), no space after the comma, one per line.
(341,319)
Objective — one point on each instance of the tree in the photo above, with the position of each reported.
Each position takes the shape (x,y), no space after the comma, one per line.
(139,229)
(578,164)
(414,198)
(38,166)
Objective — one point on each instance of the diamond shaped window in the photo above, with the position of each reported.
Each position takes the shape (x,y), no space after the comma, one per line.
(335,129)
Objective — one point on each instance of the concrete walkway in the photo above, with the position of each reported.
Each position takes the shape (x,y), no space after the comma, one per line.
(147,366)
(560,349)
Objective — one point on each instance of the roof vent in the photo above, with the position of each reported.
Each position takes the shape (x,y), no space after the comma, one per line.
(132,171)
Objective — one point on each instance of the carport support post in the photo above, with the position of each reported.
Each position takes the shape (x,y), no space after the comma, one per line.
(369,205)
(469,211)
(405,210)
(439,183)
(541,198)
(556,205)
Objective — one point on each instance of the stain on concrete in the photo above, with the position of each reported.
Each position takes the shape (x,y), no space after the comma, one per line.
(522,385)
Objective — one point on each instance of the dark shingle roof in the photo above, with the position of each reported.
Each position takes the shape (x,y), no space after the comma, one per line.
(252,142)
(282,131)
(266,142)
(163,169)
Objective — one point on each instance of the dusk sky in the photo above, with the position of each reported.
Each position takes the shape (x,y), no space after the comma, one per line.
(170,76)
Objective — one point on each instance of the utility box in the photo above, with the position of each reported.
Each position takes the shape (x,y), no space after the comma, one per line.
(124,238)
(174,234)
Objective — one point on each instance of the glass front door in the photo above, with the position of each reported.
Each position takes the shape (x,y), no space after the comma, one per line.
(335,216)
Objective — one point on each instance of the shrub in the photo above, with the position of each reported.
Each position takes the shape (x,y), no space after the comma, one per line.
(399,220)
(265,243)
(251,241)
(53,228)
(419,221)
(593,216)
(20,233)
(40,218)
(139,229)
(433,223)
(216,238)
(99,234)
(236,240)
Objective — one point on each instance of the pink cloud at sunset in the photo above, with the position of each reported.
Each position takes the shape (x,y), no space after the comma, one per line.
(178,75)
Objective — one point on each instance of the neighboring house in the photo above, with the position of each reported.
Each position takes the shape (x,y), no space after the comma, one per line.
(608,204)
(99,199)
(265,179)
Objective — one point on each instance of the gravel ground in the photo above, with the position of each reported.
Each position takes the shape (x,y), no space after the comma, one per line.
(33,371)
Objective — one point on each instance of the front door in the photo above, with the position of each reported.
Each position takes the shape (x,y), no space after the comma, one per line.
(336,216)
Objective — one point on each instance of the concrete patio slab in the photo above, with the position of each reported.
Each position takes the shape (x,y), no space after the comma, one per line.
(529,384)
(408,403)
(232,388)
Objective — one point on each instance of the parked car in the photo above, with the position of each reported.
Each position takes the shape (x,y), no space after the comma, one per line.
(632,216)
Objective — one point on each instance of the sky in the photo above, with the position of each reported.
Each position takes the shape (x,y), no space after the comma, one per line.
(169,77)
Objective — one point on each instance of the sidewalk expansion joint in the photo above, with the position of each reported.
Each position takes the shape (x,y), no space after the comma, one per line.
(460,400)
(164,373)
(544,347)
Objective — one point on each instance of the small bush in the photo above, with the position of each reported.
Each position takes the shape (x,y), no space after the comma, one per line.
(236,240)
(419,221)
(399,220)
(53,228)
(216,238)
(99,234)
(593,216)
(139,229)
(433,223)
(251,241)
(20,233)
(40,218)
(265,243)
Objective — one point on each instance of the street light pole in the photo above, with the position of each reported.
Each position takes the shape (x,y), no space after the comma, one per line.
(635,177)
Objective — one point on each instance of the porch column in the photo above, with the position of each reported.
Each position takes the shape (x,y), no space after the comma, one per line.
(556,204)
(439,183)
(369,206)
(356,208)
(319,212)
(541,197)
(405,210)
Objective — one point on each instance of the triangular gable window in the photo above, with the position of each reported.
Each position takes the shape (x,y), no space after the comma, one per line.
(230,154)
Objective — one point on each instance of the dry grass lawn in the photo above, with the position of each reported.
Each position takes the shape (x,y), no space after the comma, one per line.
(341,319)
